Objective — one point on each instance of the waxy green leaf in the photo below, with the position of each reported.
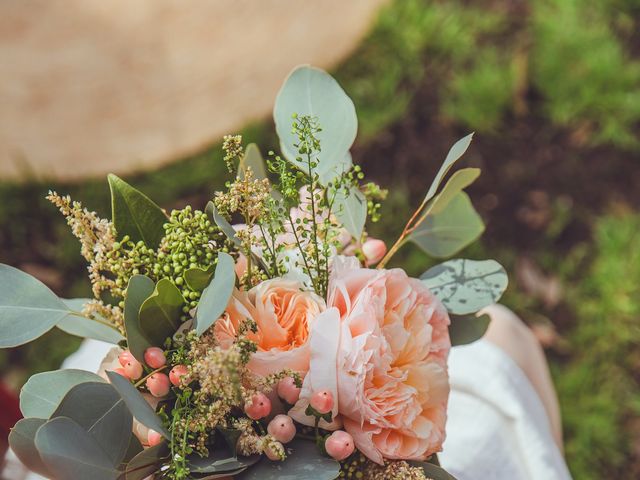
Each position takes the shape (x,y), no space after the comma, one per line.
(311,91)
(22,442)
(134,214)
(97,329)
(198,278)
(42,393)
(450,230)
(215,297)
(351,211)
(465,329)
(220,461)
(147,462)
(70,452)
(28,309)
(159,315)
(139,289)
(466,286)
(221,222)
(458,182)
(252,158)
(138,406)
(458,149)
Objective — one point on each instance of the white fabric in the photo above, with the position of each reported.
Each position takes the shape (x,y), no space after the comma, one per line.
(498,428)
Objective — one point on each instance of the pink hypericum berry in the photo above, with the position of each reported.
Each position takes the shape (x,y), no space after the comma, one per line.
(176,374)
(126,357)
(154,357)
(158,384)
(133,370)
(288,391)
(322,401)
(339,445)
(374,250)
(259,406)
(154,438)
(282,428)
(272,451)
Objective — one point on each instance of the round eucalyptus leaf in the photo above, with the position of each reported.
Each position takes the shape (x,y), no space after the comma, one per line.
(137,405)
(311,91)
(22,442)
(81,326)
(101,412)
(42,393)
(304,462)
(466,286)
(70,452)
(215,297)
(147,462)
(465,329)
(28,309)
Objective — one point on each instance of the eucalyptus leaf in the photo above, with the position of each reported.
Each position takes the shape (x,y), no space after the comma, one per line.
(160,314)
(198,278)
(433,472)
(139,289)
(351,211)
(101,412)
(22,442)
(221,222)
(85,327)
(220,461)
(458,149)
(252,158)
(231,437)
(147,462)
(466,286)
(133,449)
(42,393)
(70,452)
(450,230)
(304,462)
(134,214)
(465,329)
(28,309)
(458,182)
(311,91)
(215,297)
(137,405)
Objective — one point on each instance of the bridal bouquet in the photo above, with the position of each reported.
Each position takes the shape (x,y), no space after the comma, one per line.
(264,337)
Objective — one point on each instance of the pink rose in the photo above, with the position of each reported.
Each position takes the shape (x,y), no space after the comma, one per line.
(284,314)
(384,359)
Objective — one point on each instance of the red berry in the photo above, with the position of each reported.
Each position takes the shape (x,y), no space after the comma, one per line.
(158,384)
(154,357)
(176,374)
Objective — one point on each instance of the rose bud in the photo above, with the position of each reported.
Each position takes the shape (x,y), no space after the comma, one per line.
(282,428)
(126,357)
(339,445)
(154,357)
(322,401)
(288,391)
(274,451)
(133,370)
(374,250)
(153,438)
(176,374)
(158,384)
(259,406)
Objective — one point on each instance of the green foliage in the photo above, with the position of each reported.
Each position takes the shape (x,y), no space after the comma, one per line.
(215,297)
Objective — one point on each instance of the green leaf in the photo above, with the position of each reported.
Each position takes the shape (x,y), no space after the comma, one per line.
(160,314)
(215,297)
(433,472)
(134,214)
(466,286)
(42,393)
(22,442)
(101,412)
(134,448)
(28,309)
(458,182)
(252,158)
(86,327)
(198,278)
(465,329)
(450,230)
(220,461)
(139,289)
(138,406)
(458,149)
(70,452)
(221,222)
(305,462)
(147,462)
(231,437)
(351,211)
(311,91)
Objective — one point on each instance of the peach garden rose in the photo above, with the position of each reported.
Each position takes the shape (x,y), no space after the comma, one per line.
(387,337)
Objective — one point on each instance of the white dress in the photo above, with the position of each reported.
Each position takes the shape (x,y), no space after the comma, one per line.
(497,427)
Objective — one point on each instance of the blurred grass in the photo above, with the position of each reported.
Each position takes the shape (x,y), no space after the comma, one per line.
(568,64)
